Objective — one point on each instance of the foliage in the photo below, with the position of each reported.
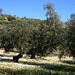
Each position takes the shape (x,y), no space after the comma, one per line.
(71,35)
(11,18)
(38,37)
(0,11)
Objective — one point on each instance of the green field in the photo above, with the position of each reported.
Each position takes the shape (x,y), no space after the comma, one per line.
(38,66)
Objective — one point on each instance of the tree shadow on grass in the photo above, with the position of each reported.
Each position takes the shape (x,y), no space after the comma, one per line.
(47,69)
(69,62)
(1,55)
(44,69)
(5,60)
(24,72)
(54,67)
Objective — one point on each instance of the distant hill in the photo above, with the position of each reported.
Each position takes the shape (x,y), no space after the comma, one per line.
(6,19)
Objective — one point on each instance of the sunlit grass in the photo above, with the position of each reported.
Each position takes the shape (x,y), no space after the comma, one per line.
(38,66)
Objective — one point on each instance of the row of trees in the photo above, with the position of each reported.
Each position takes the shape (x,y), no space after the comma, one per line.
(37,37)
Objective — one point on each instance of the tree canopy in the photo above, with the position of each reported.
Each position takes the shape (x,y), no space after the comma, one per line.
(37,37)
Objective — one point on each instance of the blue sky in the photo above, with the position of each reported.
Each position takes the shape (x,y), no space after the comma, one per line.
(34,8)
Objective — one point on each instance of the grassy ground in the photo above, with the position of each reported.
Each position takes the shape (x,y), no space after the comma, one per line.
(38,66)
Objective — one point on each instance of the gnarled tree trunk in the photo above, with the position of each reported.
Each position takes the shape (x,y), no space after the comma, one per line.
(16,58)
(32,56)
(32,52)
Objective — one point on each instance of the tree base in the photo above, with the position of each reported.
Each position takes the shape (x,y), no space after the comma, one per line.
(32,56)
(16,58)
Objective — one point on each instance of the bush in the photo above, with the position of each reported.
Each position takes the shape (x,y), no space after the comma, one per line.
(11,18)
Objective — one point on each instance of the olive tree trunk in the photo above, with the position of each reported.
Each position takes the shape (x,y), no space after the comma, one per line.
(16,58)
(32,52)
(32,56)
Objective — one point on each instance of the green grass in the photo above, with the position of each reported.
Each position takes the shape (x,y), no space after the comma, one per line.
(27,66)
(45,69)
(38,58)
(26,72)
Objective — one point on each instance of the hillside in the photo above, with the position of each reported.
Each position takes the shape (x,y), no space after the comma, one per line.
(8,19)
